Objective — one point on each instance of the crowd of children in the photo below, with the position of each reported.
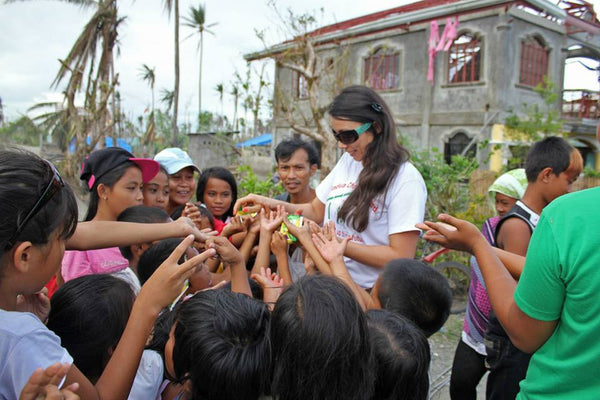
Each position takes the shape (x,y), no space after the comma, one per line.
(159,296)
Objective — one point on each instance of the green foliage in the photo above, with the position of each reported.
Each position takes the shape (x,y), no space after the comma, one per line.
(447,184)
(591,172)
(248,182)
(539,120)
(447,192)
(22,131)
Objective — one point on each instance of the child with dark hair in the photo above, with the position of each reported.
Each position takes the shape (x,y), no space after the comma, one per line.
(159,252)
(90,304)
(416,291)
(551,167)
(401,357)
(320,339)
(114,179)
(140,214)
(407,287)
(38,213)
(156,191)
(219,347)
(217,190)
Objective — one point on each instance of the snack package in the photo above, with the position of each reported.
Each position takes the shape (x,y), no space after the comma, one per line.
(294,219)
(245,211)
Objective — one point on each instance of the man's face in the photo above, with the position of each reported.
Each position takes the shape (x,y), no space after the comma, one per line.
(295,172)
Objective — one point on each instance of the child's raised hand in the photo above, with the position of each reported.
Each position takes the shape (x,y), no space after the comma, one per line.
(226,251)
(254,223)
(452,233)
(192,212)
(328,244)
(43,384)
(271,284)
(166,282)
(237,224)
(302,233)
(271,220)
(279,245)
(36,303)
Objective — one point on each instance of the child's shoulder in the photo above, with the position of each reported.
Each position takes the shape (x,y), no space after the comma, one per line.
(19,324)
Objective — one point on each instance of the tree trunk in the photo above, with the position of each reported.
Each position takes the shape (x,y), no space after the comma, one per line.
(175,133)
(200,80)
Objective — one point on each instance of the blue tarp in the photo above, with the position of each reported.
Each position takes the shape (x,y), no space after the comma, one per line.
(261,140)
(122,143)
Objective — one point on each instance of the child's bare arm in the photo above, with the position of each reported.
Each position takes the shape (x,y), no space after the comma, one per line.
(279,247)
(332,249)
(304,236)
(232,259)
(269,221)
(101,234)
(271,284)
(158,292)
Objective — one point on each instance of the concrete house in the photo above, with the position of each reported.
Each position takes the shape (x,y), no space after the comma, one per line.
(452,70)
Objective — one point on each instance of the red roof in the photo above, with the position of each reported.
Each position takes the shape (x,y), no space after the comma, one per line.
(380,15)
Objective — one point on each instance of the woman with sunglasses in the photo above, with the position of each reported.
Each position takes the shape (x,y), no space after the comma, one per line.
(374,195)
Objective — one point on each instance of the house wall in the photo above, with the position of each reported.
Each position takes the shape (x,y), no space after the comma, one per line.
(429,114)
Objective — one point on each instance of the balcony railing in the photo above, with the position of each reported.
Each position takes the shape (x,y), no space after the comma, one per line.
(578,104)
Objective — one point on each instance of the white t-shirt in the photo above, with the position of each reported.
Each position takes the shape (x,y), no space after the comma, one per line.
(25,344)
(148,378)
(403,207)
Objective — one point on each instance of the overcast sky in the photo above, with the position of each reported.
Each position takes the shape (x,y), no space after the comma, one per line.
(35,34)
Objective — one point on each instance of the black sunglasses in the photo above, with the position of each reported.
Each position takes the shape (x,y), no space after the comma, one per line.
(351,136)
(55,184)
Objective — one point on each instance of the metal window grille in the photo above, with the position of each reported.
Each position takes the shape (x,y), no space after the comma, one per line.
(381,71)
(534,63)
(464,60)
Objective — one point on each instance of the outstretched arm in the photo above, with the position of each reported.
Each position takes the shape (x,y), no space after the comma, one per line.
(402,245)
(527,333)
(332,250)
(158,292)
(314,210)
(101,234)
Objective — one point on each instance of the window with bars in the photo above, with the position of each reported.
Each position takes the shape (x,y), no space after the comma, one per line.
(455,146)
(381,70)
(534,62)
(464,59)
(299,86)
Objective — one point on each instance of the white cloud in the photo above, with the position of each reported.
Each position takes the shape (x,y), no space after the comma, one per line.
(35,34)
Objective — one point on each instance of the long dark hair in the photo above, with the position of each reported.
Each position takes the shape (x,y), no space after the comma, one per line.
(89,314)
(384,154)
(321,347)
(23,178)
(224,175)
(401,357)
(108,179)
(222,346)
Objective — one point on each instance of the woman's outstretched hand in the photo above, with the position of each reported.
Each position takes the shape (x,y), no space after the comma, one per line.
(452,233)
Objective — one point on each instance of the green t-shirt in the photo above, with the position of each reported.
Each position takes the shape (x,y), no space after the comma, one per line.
(561,281)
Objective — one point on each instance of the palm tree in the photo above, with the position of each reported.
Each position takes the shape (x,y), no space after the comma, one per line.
(173,5)
(197,20)
(91,74)
(235,92)
(167,97)
(147,74)
(220,88)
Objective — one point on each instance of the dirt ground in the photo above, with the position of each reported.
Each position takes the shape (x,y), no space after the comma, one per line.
(443,344)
